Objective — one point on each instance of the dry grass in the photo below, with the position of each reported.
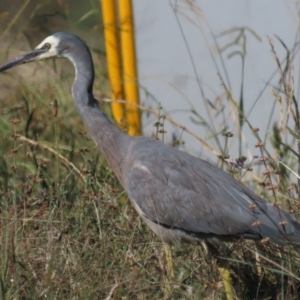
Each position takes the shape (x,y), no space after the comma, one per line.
(68,230)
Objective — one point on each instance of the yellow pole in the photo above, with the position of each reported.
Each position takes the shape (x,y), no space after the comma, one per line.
(129,66)
(114,60)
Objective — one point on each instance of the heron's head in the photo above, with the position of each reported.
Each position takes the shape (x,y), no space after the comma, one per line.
(56,45)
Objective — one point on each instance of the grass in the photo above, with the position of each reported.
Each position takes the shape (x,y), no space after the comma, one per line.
(68,230)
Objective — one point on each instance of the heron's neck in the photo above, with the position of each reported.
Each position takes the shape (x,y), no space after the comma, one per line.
(109,139)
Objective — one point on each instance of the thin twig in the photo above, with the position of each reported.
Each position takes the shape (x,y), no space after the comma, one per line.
(44,146)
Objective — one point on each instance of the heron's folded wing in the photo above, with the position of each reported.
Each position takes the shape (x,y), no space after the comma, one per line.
(178,190)
(187,201)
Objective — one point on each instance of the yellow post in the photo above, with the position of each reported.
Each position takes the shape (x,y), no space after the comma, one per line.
(114,60)
(129,66)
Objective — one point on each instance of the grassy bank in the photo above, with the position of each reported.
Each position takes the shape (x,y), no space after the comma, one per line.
(68,230)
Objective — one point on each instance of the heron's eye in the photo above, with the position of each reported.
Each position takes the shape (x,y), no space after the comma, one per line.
(46,46)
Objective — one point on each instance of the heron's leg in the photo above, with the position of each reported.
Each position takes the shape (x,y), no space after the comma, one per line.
(170,268)
(257,259)
(225,275)
(223,270)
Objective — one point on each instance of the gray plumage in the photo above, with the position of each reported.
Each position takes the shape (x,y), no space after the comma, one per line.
(182,198)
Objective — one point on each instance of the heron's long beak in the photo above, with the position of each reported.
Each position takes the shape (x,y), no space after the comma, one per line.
(28,57)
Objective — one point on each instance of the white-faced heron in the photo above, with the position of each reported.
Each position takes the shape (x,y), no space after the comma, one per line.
(180,197)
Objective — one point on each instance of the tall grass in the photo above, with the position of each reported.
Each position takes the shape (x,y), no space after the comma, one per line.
(67,229)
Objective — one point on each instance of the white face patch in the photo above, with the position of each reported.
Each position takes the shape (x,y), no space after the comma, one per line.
(53,42)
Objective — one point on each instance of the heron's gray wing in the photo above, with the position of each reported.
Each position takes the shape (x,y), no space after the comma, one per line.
(180,191)
(173,198)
